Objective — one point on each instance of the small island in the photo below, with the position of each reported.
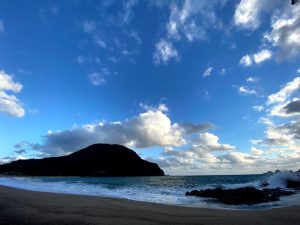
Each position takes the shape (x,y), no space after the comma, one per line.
(99,160)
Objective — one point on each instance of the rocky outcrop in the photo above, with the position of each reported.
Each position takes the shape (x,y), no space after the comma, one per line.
(293,184)
(95,160)
(244,195)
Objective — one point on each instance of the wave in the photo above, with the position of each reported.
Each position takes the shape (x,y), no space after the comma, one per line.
(166,190)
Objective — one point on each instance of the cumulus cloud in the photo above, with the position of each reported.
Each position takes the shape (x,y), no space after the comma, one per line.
(200,160)
(244,90)
(257,58)
(252,79)
(207,72)
(164,51)
(285,32)
(284,137)
(237,158)
(280,148)
(293,107)
(261,56)
(200,154)
(150,128)
(256,151)
(246,60)
(285,92)
(210,142)
(248,13)
(284,35)
(9,103)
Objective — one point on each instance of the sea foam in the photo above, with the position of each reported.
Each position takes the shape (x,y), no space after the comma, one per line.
(166,190)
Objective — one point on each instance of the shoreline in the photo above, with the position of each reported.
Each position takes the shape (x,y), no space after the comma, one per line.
(19,206)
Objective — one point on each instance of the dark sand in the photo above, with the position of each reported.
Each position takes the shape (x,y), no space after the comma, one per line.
(28,207)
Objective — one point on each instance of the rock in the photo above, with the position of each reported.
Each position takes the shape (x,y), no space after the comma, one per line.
(293,184)
(244,195)
(95,160)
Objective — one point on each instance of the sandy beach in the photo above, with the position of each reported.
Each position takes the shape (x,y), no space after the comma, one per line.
(28,207)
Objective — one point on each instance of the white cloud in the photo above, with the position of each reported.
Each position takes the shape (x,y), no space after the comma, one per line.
(284,135)
(199,156)
(164,51)
(8,159)
(285,92)
(189,21)
(261,56)
(256,151)
(246,90)
(223,72)
(96,79)
(23,71)
(280,148)
(246,60)
(100,42)
(285,33)
(282,139)
(89,26)
(252,79)
(298,71)
(282,103)
(9,103)
(258,108)
(247,13)
(237,158)
(181,24)
(126,17)
(210,142)
(1,26)
(150,128)
(80,59)
(207,72)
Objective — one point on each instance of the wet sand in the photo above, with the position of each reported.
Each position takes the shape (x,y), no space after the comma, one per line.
(34,208)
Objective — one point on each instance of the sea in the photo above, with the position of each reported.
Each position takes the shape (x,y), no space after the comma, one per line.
(166,189)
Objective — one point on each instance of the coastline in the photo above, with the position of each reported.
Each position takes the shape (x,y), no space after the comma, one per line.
(31,207)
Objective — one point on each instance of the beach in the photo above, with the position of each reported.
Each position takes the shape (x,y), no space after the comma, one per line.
(31,207)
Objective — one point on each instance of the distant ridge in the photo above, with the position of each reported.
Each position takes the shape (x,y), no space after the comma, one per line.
(95,160)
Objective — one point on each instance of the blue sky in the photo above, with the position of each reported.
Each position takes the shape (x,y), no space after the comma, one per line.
(200,87)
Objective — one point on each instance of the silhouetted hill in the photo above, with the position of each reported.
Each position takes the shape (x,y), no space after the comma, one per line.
(95,160)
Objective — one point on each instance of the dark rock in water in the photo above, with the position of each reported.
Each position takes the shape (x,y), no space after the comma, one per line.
(95,160)
(293,184)
(245,195)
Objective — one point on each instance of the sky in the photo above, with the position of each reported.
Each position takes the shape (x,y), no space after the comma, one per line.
(199,87)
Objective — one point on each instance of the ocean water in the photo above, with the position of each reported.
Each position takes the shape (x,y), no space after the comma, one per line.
(167,190)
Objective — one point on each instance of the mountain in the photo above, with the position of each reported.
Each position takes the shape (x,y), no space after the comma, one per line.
(95,160)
